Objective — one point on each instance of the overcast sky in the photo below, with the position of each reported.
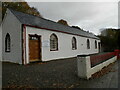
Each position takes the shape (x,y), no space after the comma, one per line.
(91,16)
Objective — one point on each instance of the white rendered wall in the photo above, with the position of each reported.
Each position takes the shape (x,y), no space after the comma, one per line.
(12,26)
(64,45)
(84,66)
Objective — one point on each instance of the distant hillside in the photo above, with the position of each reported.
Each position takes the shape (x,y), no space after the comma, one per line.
(19,6)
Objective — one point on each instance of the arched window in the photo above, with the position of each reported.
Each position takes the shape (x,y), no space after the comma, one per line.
(88,44)
(53,42)
(7,43)
(95,44)
(74,43)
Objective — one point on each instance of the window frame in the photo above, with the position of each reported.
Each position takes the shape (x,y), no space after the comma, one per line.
(88,44)
(7,43)
(74,45)
(95,44)
(54,48)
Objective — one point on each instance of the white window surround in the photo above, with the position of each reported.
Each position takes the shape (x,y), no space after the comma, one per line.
(53,42)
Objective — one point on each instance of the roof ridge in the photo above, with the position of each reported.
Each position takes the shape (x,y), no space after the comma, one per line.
(24,12)
(58,26)
(33,15)
(14,14)
(45,19)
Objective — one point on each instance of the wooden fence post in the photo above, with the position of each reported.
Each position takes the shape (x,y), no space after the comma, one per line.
(117,52)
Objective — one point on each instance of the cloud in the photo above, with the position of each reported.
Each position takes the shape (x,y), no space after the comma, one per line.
(72,0)
(88,15)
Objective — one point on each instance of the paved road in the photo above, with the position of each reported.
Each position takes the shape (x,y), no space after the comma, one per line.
(54,74)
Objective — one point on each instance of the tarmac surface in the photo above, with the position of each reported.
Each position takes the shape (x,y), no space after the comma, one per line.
(54,74)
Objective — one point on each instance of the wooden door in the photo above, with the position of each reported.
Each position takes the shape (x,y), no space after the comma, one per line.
(34,48)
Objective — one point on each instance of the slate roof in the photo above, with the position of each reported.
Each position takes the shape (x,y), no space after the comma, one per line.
(44,23)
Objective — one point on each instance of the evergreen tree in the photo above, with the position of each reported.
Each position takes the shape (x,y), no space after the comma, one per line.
(19,6)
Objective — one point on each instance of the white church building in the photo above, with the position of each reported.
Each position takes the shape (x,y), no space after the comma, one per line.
(26,38)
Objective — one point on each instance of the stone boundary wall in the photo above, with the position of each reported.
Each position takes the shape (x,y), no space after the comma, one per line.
(84,69)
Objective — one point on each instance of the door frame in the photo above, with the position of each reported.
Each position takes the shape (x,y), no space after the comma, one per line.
(40,43)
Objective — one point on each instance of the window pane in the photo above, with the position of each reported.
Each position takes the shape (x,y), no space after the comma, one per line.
(7,43)
(53,42)
(95,44)
(88,44)
(74,45)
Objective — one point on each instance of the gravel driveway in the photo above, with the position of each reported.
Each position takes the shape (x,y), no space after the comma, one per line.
(60,73)
(52,74)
